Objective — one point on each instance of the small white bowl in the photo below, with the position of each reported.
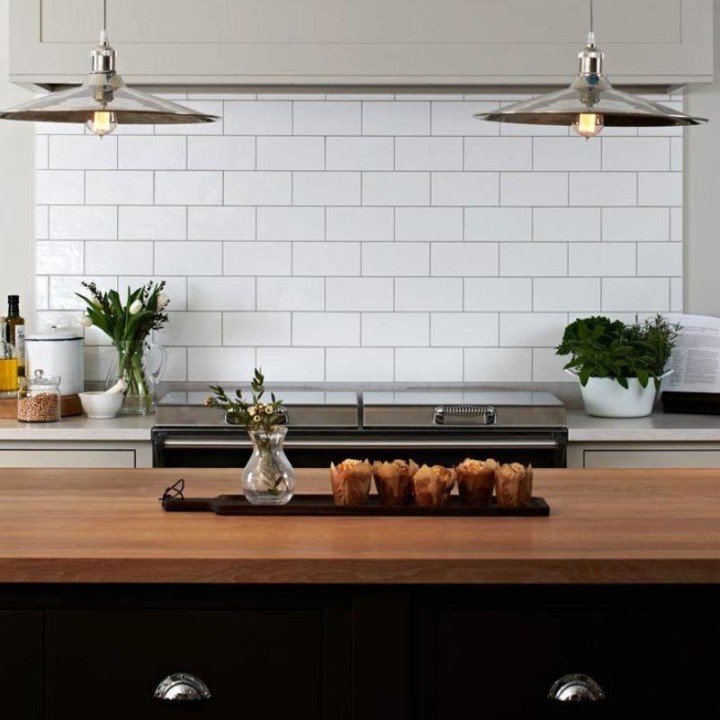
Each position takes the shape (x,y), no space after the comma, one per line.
(101,405)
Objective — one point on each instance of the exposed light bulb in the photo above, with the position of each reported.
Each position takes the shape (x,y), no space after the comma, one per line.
(102,123)
(588,124)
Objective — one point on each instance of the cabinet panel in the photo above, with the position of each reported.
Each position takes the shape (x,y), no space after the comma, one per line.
(21,665)
(33,458)
(469,42)
(652,458)
(266,663)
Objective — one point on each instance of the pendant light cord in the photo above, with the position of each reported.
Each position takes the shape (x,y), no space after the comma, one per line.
(104,14)
(591,34)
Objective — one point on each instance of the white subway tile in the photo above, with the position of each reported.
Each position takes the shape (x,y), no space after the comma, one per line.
(658,259)
(533,259)
(395,329)
(498,153)
(258,188)
(121,187)
(290,153)
(176,367)
(327,259)
(63,289)
(635,224)
(395,259)
(464,329)
(636,294)
(566,224)
(59,187)
(292,364)
(636,153)
(498,294)
(290,223)
(676,295)
(258,258)
(464,259)
(660,188)
(565,153)
(603,188)
(498,365)
(191,187)
(428,153)
(175,288)
(533,188)
(283,293)
(676,225)
(42,292)
(498,224)
(534,130)
(53,128)
(531,329)
(221,223)
(548,367)
(428,294)
(221,153)
(42,151)
(221,293)
(258,118)
(119,258)
(42,222)
(68,222)
(200,329)
(676,154)
(594,259)
(429,364)
(325,329)
(220,365)
(206,107)
(360,365)
(396,118)
(326,188)
(152,223)
(564,294)
(152,152)
(359,294)
(464,188)
(360,153)
(256,328)
(83,152)
(396,188)
(456,118)
(188,258)
(432,224)
(326,118)
(363,223)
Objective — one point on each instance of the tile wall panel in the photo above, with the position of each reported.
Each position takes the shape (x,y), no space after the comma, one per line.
(361,237)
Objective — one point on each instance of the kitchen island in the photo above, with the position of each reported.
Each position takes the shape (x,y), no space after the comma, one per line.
(410,618)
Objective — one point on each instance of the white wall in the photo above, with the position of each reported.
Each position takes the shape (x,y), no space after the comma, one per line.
(17,142)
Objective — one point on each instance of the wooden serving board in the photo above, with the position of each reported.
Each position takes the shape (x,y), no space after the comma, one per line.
(316,505)
(70,406)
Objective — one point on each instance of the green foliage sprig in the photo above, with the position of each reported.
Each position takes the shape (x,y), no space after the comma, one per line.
(254,414)
(604,348)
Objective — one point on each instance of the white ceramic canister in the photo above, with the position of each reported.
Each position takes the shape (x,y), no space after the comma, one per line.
(59,352)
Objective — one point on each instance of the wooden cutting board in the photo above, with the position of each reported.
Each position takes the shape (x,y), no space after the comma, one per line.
(70,406)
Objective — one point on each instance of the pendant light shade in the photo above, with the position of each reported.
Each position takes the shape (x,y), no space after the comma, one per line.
(104,101)
(590,103)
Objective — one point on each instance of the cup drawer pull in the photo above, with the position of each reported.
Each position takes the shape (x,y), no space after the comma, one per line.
(576,688)
(182,688)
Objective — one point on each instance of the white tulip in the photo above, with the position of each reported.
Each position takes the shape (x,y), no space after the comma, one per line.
(163,300)
(86,321)
(136,307)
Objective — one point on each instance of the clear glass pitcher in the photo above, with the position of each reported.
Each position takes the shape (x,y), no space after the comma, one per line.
(139,366)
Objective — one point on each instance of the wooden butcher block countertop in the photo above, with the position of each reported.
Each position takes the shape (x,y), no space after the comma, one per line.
(606,526)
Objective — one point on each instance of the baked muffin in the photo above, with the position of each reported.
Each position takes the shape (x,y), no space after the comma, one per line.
(393,481)
(350,482)
(432,485)
(513,485)
(476,481)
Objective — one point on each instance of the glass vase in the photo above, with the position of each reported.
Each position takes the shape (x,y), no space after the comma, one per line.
(141,365)
(268,477)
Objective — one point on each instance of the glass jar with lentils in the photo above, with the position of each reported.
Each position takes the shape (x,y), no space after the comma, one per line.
(39,399)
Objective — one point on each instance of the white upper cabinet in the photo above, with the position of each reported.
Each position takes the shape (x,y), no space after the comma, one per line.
(354,42)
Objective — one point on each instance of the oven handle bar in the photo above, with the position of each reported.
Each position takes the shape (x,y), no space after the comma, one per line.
(210,443)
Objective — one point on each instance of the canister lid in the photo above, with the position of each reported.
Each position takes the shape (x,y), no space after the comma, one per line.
(54,336)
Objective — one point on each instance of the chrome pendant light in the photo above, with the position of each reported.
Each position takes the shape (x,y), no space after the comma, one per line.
(103,101)
(590,103)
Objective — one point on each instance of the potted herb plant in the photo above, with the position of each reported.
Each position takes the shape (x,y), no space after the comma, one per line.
(619,366)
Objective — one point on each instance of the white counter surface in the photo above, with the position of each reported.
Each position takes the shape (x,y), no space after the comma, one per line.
(81,428)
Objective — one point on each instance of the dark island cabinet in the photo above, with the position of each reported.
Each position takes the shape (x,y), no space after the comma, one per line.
(335,652)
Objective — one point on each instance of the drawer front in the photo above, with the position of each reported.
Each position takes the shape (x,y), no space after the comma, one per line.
(21,665)
(32,458)
(107,664)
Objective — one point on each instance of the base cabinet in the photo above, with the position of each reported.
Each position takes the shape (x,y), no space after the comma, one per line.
(21,664)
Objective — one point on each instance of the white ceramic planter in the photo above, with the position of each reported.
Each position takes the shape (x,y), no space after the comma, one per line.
(604,397)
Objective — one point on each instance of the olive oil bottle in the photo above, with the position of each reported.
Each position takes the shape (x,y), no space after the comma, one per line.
(8,364)
(15,333)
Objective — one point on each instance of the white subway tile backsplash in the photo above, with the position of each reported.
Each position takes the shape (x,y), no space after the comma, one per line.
(363,236)
(256,328)
(395,329)
(257,258)
(82,152)
(122,187)
(359,365)
(154,152)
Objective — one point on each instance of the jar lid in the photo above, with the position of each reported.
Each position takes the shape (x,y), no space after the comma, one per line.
(54,336)
(39,379)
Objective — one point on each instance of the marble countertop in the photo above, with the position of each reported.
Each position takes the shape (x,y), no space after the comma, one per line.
(81,428)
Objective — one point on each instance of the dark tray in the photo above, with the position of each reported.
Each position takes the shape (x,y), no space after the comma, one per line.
(323,505)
